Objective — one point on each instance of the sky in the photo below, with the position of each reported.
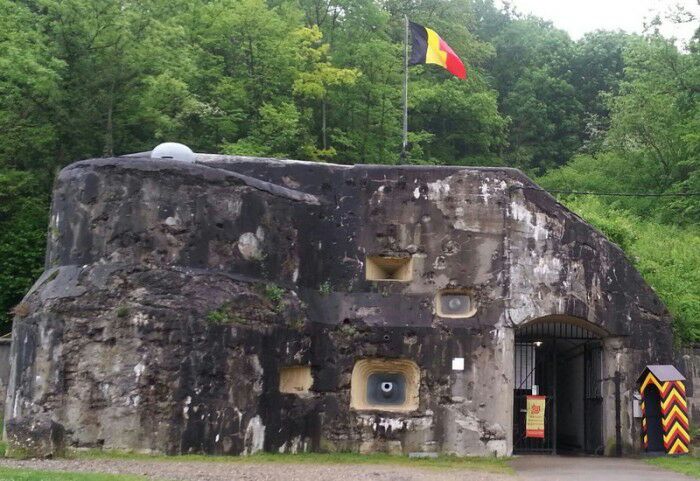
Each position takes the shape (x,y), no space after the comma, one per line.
(580,16)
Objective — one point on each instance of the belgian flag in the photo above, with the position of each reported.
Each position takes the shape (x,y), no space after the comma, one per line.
(428,47)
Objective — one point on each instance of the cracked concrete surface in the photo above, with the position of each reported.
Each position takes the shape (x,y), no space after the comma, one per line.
(174,294)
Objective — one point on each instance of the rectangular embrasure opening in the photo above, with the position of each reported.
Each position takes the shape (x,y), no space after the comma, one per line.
(295,380)
(384,268)
(379,384)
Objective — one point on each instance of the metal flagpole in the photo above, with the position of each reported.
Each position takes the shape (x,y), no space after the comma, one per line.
(405,91)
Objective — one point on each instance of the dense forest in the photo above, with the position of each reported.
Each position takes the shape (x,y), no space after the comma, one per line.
(321,80)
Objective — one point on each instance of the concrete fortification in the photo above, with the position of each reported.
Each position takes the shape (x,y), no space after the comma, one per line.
(236,305)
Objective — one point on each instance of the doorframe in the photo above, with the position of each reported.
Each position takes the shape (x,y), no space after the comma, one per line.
(548,330)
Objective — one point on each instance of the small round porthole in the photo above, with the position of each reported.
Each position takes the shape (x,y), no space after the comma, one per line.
(387,387)
(384,388)
(456,303)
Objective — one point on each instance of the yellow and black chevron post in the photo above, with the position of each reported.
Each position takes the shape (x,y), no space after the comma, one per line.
(673,407)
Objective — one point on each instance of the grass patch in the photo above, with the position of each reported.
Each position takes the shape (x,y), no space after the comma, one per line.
(224,316)
(495,465)
(3,448)
(275,294)
(18,474)
(681,464)
(325,288)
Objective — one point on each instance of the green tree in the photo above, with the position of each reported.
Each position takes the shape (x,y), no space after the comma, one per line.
(462,119)
(531,70)
(546,120)
(667,256)
(23,221)
(597,69)
(280,130)
(29,90)
(318,77)
(656,119)
(368,127)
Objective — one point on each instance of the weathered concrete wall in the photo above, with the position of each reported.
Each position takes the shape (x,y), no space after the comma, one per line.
(174,294)
(5,344)
(688,362)
(523,254)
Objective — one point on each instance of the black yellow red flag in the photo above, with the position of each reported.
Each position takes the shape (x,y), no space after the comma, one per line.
(428,47)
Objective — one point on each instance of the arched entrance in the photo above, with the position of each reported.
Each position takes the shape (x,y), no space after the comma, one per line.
(561,359)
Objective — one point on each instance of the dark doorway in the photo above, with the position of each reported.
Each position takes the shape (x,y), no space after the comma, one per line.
(561,360)
(652,411)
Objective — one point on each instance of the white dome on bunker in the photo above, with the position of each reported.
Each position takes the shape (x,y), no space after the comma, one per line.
(173,151)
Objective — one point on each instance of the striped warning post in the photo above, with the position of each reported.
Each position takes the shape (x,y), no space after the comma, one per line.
(674,409)
(674,412)
(645,437)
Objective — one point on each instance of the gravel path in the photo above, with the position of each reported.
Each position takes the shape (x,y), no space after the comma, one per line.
(221,471)
(528,468)
(562,468)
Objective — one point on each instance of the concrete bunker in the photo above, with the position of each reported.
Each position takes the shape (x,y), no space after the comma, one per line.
(232,305)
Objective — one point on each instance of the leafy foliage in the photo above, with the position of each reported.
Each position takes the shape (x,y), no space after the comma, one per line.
(667,256)
(23,221)
(29,89)
(322,80)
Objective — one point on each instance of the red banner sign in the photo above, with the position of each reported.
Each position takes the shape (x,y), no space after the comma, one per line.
(534,419)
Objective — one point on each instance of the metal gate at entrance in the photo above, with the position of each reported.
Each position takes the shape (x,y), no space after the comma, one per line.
(562,361)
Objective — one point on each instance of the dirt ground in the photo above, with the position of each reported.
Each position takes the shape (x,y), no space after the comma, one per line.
(220,471)
(583,468)
(528,468)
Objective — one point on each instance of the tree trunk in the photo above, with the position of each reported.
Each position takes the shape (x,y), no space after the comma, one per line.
(323,123)
(108,150)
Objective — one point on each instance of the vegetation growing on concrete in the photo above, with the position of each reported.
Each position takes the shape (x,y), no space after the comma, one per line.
(266,297)
(20,310)
(347,328)
(325,288)
(224,315)
(52,276)
(297,323)
(274,294)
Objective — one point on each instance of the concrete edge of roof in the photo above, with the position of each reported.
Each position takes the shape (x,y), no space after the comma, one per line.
(144,163)
(210,160)
(205,158)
